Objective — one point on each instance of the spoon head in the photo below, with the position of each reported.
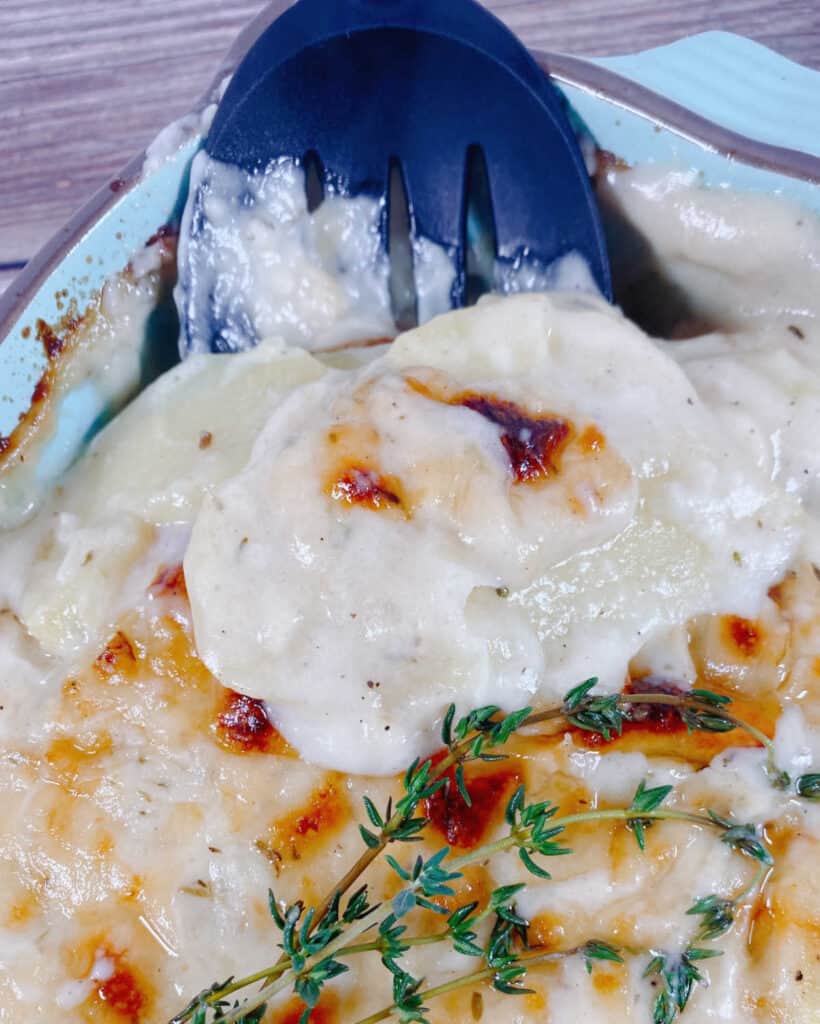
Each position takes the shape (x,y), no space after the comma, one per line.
(367,86)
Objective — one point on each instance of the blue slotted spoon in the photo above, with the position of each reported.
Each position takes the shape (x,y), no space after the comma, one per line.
(367,84)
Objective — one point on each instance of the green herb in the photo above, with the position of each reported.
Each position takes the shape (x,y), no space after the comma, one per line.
(808,786)
(317,942)
(742,837)
(596,950)
(646,800)
(602,715)
(678,976)
(718,916)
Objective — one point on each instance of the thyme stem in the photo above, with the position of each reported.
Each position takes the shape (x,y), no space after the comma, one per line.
(533,959)
(616,814)
(675,700)
(695,709)
(558,711)
(279,977)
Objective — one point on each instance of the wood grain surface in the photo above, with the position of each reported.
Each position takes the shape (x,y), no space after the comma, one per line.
(85,84)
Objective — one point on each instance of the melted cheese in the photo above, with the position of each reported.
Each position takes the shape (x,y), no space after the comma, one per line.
(360,620)
(90,544)
(276,270)
(147,809)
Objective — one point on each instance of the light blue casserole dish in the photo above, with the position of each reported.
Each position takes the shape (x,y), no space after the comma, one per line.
(740,114)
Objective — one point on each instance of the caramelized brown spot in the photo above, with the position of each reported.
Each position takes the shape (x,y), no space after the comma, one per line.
(23,911)
(533,442)
(323,1013)
(547,931)
(68,756)
(170,582)
(654,717)
(41,389)
(607,980)
(359,485)
(164,234)
(123,994)
(464,827)
(243,726)
(118,657)
(762,926)
(321,810)
(607,160)
(342,346)
(54,338)
(657,730)
(205,439)
(52,344)
(307,828)
(576,506)
(645,719)
(592,440)
(742,635)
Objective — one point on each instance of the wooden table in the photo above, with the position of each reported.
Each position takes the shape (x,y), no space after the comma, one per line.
(84,84)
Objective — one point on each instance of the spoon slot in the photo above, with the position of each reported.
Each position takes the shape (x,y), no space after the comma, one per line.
(403,299)
(479,240)
(314,180)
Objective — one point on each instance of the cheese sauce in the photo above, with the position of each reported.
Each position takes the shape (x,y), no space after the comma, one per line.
(251,601)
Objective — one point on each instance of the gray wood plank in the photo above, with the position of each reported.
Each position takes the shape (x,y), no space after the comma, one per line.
(83,86)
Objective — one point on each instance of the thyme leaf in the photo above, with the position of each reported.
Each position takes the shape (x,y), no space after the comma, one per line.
(645,800)
(718,916)
(678,976)
(316,941)
(597,950)
(743,838)
(808,786)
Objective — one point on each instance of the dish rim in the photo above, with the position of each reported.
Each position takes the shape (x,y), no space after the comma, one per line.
(581,73)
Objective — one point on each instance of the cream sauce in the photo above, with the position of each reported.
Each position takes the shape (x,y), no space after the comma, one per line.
(144,819)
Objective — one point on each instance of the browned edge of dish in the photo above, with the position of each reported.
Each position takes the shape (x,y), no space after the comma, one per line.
(569,70)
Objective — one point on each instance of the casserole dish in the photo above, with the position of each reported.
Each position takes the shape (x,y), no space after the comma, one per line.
(690,104)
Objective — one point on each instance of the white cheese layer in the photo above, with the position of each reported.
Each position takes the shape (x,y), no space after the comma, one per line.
(360,620)
(127,504)
(140,836)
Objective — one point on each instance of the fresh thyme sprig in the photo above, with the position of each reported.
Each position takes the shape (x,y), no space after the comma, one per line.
(475,735)
(314,947)
(718,915)
(678,976)
(591,952)
(315,941)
